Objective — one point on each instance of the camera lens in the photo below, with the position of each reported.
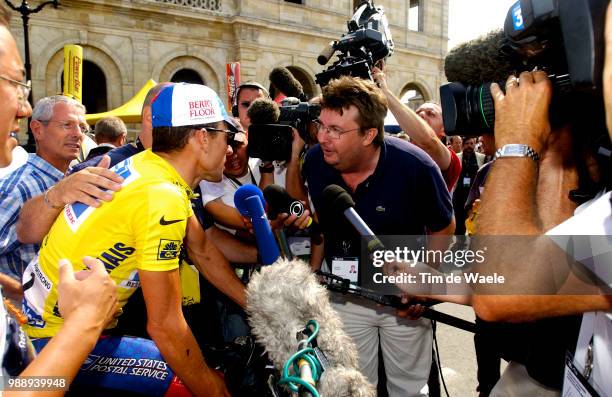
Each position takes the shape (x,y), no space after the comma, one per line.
(467,110)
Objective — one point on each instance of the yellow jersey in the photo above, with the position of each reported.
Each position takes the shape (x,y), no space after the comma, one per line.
(142,227)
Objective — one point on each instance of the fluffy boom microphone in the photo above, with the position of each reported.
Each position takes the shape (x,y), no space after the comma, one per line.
(263,111)
(282,79)
(480,60)
(281,299)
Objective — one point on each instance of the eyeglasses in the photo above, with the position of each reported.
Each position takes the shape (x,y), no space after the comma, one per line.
(230,134)
(69,125)
(333,132)
(25,87)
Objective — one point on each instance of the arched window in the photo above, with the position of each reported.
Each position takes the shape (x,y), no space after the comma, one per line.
(94,94)
(412,96)
(187,76)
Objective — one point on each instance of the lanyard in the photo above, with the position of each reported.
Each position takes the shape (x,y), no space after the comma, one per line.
(237,183)
(588,364)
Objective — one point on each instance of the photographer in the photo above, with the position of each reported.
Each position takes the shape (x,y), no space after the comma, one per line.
(535,197)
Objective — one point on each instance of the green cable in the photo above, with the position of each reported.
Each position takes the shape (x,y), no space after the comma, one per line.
(315,332)
(293,379)
(307,354)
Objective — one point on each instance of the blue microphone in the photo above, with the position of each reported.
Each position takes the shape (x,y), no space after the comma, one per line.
(250,202)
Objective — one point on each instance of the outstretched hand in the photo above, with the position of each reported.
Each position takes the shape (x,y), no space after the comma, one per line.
(88,296)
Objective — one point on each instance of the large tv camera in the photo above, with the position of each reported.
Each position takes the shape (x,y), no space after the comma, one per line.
(368,41)
(562,37)
(270,134)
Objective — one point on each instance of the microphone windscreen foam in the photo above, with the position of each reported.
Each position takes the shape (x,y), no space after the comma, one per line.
(480,61)
(283,80)
(337,199)
(243,193)
(263,111)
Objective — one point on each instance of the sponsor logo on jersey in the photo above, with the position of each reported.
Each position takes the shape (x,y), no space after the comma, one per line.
(168,249)
(75,214)
(89,361)
(133,281)
(165,222)
(36,287)
(115,255)
(34,319)
(141,367)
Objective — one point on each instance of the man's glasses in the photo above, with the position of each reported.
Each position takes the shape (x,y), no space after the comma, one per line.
(333,132)
(25,87)
(230,134)
(69,125)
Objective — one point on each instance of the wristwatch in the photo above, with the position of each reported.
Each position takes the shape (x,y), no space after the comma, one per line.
(517,150)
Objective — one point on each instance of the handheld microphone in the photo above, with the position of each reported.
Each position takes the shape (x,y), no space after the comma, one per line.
(340,201)
(280,201)
(250,202)
(281,300)
(282,79)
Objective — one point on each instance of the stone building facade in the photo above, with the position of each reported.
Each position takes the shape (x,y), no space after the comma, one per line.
(126,42)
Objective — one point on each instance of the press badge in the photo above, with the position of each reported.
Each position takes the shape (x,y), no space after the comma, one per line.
(346,268)
(574,383)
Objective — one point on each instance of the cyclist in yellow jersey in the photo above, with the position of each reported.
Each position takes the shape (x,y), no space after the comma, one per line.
(138,235)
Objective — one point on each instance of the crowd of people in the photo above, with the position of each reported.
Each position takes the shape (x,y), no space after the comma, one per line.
(141,244)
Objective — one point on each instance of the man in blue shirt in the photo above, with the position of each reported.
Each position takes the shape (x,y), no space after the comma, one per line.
(57,125)
(398,190)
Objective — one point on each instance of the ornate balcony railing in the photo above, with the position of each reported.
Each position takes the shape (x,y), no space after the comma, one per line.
(212,5)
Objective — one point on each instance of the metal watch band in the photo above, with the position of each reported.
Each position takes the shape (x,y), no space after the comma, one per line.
(517,150)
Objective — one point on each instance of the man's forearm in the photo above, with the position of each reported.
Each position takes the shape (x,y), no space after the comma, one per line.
(521,308)
(508,203)
(72,354)
(179,348)
(11,287)
(225,215)
(35,220)
(317,254)
(233,249)
(293,180)
(419,131)
(216,269)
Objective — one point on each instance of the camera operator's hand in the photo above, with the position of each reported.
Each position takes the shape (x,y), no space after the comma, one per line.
(379,77)
(297,144)
(521,114)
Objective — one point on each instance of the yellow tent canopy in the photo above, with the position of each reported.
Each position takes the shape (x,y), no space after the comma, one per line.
(130,111)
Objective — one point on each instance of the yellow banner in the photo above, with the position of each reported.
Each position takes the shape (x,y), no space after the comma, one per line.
(73,71)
